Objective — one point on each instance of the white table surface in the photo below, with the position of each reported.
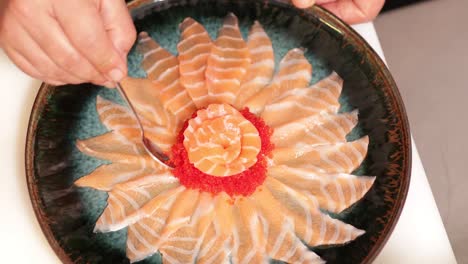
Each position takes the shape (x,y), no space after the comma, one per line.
(419,236)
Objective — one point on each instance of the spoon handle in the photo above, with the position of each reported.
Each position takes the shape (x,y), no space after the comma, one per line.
(125,97)
(153,150)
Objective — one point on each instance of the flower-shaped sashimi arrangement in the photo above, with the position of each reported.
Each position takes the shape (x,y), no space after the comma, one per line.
(259,156)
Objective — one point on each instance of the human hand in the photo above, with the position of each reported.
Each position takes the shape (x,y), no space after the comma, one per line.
(68,41)
(350,11)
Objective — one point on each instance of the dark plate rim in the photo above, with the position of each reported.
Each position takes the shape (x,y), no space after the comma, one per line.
(326,18)
(399,106)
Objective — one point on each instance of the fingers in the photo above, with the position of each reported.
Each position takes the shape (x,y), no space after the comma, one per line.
(350,11)
(44,43)
(24,65)
(21,62)
(321,2)
(370,8)
(303,3)
(68,41)
(31,58)
(84,27)
(355,11)
(119,25)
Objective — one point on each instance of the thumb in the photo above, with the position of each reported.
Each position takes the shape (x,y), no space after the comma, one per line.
(119,25)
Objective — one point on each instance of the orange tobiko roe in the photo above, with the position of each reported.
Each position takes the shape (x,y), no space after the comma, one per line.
(241,184)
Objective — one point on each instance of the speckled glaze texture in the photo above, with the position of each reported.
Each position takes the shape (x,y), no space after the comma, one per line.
(62,115)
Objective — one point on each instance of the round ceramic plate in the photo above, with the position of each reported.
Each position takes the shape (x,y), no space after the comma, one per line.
(62,115)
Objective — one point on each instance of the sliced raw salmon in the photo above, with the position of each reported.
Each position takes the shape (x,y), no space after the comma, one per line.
(221,142)
(145,97)
(294,72)
(149,234)
(315,130)
(181,212)
(227,63)
(113,147)
(248,238)
(144,234)
(280,225)
(333,192)
(126,199)
(335,158)
(262,65)
(332,83)
(143,238)
(217,243)
(304,102)
(215,247)
(194,48)
(303,216)
(163,69)
(105,177)
(119,119)
(183,245)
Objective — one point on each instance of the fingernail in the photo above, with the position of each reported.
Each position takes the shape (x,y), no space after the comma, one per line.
(109,84)
(116,75)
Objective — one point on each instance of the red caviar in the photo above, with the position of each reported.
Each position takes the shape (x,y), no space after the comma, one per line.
(243,183)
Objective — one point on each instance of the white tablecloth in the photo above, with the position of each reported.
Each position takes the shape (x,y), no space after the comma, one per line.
(419,236)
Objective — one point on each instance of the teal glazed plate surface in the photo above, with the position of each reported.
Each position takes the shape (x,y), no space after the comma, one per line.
(62,115)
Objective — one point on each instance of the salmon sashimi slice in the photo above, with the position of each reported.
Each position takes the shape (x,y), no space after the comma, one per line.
(333,192)
(144,234)
(181,212)
(162,220)
(303,102)
(217,243)
(105,177)
(221,142)
(215,247)
(262,65)
(183,245)
(150,233)
(119,119)
(336,158)
(310,224)
(163,69)
(279,229)
(126,200)
(295,71)
(315,130)
(332,83)
(145,98)
(194,48)
(249,240)
(113,147)
(227,63)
